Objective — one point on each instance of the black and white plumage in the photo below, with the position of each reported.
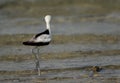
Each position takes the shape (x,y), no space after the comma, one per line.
(42,38)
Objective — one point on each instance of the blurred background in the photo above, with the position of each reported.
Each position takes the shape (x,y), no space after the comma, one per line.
(85,33)
(22,13)
(74,10)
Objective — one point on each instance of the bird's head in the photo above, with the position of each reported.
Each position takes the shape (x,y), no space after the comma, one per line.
(47,18)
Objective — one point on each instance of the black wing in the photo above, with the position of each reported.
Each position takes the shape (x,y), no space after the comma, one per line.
(44,32)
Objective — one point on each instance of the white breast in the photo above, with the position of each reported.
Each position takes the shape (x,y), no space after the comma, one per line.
(43,38)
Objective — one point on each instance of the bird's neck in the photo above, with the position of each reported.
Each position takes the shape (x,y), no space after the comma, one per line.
(48,27)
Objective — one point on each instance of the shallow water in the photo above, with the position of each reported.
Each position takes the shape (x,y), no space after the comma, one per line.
(17,50)
(62,64)
(73,70)
(32,25)
(70,75)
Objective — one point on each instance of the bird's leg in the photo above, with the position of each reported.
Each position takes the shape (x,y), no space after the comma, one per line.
(35,51)
(37,64)
(38,67)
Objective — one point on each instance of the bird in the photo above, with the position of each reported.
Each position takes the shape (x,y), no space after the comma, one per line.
(96,69)
(43,38)
(40,39)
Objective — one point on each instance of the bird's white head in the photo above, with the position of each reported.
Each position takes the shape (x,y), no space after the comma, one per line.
(47,18)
